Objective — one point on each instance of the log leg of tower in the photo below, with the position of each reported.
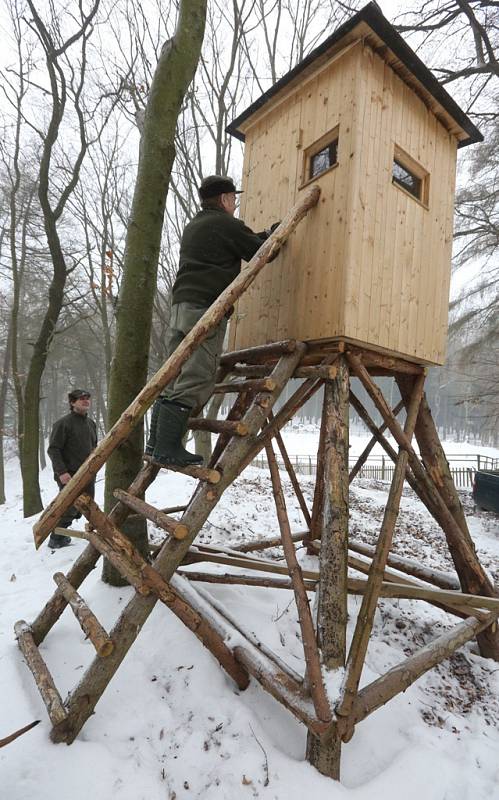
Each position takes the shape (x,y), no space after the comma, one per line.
(85,696)
(332,590)
(437,466)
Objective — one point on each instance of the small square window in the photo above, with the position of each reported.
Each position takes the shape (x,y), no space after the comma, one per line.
(321,156)
(406,179)
(324,159)
(410,176)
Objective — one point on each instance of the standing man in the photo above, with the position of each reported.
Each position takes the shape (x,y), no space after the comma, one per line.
(73,438)
(212,246)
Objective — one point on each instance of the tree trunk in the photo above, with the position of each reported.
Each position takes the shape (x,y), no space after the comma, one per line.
(3,396)
(174,73)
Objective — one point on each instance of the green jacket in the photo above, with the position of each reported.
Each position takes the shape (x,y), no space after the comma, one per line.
(212,246)
(72,439)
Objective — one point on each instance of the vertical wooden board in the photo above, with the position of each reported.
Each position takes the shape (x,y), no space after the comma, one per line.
(291,283)
(437,308)
(234,324)
(426,254)
(409,334)
(340,111)
(387,234)
(369,197)
(442,331)
(281,271)
(397,210)
(436,238)
(355,217)
(413,231)
(399,254)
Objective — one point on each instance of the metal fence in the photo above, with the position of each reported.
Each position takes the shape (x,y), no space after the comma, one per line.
(379,467)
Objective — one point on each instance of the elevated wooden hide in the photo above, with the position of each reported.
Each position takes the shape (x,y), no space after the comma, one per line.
(372,263)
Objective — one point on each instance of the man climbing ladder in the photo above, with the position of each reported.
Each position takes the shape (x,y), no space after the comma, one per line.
(212,247)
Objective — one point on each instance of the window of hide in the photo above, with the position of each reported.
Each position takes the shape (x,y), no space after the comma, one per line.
(410,176)
(321,156)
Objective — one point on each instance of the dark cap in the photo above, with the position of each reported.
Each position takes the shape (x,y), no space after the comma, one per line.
(214,185)
(77,394)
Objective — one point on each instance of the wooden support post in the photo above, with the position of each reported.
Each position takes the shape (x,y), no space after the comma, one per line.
(363,627)
(332,511)
(315,526)
(41,674)
(311,652)
(292,474)
(89,623)
(172,366)
(162,520)
(365,453)
(238,410)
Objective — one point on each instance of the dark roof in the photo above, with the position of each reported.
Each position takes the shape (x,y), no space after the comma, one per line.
(372,16)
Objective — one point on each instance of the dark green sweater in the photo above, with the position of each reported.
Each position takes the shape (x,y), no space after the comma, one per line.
(212,247)
(72,440)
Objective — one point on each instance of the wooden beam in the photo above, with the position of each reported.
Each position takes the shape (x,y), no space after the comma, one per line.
(43,679)
(162,520)
(89,623)
(292,474)
(367,450)
(251,385)
(311,652)
(218,426)
(260,353)
(331,526)
(400,677)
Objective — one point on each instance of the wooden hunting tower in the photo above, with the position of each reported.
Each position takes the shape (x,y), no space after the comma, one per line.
(363,118)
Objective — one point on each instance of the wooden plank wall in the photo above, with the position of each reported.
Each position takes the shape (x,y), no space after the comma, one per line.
(370,263)
(398,268)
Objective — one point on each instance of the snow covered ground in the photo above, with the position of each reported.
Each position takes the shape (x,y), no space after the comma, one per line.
(171,725)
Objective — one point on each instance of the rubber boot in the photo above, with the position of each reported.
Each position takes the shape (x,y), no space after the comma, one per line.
(171,427)
(151,440)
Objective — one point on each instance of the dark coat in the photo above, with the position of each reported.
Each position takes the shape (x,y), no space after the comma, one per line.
(72,440)
(212,247)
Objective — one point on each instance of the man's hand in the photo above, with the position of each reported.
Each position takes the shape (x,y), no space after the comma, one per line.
(64,478)
(272,228)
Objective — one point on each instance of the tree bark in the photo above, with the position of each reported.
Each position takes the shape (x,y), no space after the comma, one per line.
(174,72)
(333,516)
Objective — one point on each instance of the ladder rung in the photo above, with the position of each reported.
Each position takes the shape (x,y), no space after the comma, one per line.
(234,428)
(168,524)
(259,353)
(41,674)
(201,473)
(89,623)
(252,385)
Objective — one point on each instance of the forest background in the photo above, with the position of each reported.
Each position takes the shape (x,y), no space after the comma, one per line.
(74,86)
